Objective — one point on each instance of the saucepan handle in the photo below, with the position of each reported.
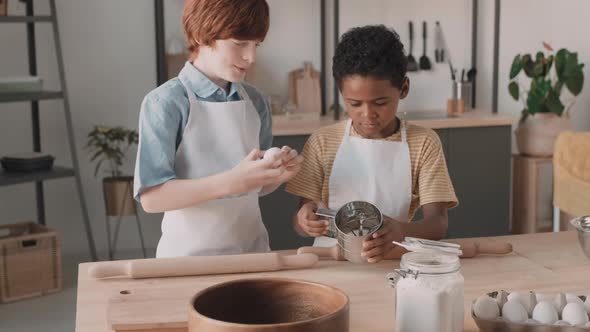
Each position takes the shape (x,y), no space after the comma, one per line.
(326,213)
(330,214)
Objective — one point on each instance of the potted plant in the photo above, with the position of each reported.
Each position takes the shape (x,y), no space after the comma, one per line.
(544,114)
(108,146)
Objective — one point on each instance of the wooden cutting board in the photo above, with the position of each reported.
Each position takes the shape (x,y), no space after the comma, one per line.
(304,89)
(154,307)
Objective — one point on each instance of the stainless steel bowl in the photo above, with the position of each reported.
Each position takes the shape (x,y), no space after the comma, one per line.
(582,226)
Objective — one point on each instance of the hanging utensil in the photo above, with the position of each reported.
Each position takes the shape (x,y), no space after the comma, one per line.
(471,74)
(412,64)
(424,60)
(439,50)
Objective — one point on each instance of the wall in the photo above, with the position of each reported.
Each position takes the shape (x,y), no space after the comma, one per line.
(110,65)
(562,24)
(109,54)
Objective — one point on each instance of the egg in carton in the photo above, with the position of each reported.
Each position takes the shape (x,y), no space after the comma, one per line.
(531,312)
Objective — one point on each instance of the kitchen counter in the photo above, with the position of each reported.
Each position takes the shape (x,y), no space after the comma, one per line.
(547,262)
(305,124)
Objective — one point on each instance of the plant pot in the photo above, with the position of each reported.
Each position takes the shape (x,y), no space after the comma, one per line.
(536,136)
(118,196)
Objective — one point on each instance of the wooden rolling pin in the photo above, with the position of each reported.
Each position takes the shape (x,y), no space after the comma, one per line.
(201,265)
(470,248)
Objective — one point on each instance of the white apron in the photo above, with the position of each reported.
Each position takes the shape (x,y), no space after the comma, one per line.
(374,171)
(216,138)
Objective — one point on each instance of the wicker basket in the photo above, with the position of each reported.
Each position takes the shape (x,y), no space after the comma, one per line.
(30,261)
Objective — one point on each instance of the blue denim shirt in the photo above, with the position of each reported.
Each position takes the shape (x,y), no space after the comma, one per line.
(164,114)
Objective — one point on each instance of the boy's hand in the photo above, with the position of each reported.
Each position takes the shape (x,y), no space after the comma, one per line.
(252,172)
(308,222)
(291,161)
(377,247)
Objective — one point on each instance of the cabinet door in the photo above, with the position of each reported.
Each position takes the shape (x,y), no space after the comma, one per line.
(479,166)
(443,134)
(279,207)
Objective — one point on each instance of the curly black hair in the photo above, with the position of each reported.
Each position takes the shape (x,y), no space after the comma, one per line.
(372,50)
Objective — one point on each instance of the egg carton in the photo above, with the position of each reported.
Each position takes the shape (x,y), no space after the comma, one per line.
(501,324)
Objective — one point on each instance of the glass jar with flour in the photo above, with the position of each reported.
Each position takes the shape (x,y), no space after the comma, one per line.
(429,287)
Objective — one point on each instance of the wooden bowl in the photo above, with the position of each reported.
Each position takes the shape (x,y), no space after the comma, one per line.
(269,304)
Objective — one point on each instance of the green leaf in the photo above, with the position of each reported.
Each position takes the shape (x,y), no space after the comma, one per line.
(575,83)
(539,70)
(96,155)
(513,90)
(549,63)
(528,65)
(560,63)
(516,66)
(105,143)
(554,104)
(536,97)
(533,103)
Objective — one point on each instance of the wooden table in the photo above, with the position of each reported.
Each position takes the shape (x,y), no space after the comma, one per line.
(544,262)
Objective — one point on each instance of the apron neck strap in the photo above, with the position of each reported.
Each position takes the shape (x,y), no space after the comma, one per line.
(403,129)
(192,98)
(242,92)
(347,130)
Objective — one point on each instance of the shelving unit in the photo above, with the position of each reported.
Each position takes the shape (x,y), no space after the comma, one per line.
(11,178)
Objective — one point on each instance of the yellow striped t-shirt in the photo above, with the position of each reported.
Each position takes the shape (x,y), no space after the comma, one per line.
(430,179)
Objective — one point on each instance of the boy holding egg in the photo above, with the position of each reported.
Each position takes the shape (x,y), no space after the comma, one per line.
(201,136)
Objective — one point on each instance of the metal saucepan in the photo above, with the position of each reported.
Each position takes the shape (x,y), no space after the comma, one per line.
(351,225)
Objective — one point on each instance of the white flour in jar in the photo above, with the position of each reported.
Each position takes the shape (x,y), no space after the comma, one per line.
(429,302)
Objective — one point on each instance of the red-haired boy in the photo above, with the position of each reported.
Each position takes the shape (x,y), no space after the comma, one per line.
(202,136)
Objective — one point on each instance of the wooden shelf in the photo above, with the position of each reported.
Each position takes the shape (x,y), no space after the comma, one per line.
(528,198)
(10,178)
(24,19)
(10,97)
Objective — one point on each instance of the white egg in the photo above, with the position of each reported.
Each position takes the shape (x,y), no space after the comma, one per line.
(532,321)
(514,311)
(502,298)
(528,300)
(569,298)
(587,324)
(271,153)
(544,297)
(515,296)
(486,308)
(532,303)
(587,304)
(559,302)
(562,323)
(575,314)
(545,313)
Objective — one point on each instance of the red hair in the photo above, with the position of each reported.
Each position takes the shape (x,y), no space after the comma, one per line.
(205,21)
